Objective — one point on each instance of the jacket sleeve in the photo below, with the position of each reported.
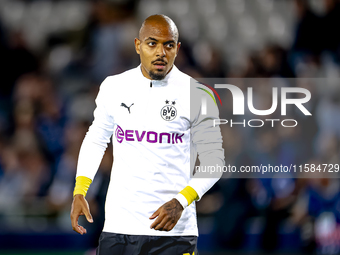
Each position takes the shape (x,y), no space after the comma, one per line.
(98,135)
(206,140)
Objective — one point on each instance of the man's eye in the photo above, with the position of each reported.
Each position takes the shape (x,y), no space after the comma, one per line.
(170,45)
(151,43)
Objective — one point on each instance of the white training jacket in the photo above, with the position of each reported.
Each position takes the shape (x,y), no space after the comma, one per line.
(156,138)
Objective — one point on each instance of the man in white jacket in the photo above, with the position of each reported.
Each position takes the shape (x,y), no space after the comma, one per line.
(158,130)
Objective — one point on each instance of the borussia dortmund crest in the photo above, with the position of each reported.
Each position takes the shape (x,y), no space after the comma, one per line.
(169,111)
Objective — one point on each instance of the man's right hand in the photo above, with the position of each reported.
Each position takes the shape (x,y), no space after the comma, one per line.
(80,207)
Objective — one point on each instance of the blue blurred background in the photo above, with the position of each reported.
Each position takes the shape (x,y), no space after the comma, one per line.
(53,57)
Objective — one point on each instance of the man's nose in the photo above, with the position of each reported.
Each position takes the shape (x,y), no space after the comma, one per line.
(160,51)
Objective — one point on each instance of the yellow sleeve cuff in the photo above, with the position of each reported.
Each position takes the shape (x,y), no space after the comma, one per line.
(190,194)
(82,185)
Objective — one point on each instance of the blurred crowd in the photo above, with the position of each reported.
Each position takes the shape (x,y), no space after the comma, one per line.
(47,97)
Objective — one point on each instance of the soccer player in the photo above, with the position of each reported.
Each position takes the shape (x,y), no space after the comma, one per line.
(157,134)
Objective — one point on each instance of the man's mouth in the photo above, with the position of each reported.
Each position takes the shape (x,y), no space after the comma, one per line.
(159,65)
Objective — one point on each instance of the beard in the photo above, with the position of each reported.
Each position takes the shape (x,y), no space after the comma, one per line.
(157,75)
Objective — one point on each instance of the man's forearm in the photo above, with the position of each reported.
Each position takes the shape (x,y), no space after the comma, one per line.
(201,182)
(90,156)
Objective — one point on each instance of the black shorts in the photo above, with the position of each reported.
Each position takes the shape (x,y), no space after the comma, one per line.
(119,244)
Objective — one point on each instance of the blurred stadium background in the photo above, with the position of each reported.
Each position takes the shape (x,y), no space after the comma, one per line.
(53,57)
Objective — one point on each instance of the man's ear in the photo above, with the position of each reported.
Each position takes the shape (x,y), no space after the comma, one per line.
(137,45)
(178,46)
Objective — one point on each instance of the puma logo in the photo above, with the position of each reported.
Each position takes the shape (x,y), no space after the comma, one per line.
(124,105)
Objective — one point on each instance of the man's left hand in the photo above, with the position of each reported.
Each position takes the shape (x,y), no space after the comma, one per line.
(167,215)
